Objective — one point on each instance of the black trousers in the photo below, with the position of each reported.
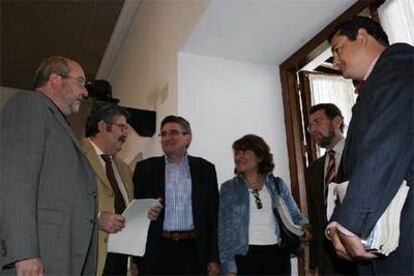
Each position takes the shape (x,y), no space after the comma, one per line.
(179,258)
(264,260)
(116,264)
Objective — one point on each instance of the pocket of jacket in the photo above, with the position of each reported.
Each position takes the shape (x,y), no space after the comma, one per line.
(50,216)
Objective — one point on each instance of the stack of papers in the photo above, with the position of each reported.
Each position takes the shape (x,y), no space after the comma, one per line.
(385,235)
(133,238)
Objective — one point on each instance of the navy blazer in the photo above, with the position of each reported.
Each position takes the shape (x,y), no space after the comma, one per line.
(378,154)
(149,182)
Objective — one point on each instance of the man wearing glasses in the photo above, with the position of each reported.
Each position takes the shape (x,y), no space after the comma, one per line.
(48,190)
(183,240)
(106,131)
(326,127)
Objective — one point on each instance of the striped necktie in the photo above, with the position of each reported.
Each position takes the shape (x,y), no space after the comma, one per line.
(330,171)
(119,200)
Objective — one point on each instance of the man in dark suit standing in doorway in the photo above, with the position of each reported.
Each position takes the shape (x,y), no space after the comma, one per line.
(379,152)
(326,126)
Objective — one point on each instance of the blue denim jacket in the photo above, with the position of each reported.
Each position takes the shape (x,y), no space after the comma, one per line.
(234,216)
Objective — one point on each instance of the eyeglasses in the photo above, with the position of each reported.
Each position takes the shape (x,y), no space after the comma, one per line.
(316,122)
(257,200)
(123,127)
(246,152)
(80,80)
(173,133)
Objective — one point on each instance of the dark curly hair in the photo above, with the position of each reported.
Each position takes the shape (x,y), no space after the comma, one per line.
(103,111)
(260,148)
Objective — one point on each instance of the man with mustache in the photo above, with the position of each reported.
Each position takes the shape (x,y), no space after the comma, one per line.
(48,192)
(106,131)
(326,126)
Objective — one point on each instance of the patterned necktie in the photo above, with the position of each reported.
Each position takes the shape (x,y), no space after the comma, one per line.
(119,200)
(330,171)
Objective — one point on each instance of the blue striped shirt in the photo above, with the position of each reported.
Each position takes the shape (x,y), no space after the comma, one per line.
(178,205)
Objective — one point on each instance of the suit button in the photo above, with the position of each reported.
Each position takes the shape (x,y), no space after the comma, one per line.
(91,221)
(3,249)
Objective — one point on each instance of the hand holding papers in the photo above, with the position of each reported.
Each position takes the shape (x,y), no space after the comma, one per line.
(385,235)
(133,238)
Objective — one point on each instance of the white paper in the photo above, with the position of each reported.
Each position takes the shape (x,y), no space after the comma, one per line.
(385,235)
(133,238)
(335,191)
(330,201)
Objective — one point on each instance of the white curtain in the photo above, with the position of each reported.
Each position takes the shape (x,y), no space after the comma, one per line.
(397,19)
(333,89)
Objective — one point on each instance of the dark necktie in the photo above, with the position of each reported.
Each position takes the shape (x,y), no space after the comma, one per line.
(330,171)
(119,200)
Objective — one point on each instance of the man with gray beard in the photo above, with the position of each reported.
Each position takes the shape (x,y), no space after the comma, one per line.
(48,190)
(326,128)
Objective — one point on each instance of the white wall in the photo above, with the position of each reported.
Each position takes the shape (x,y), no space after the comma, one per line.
(146,68)
(224,100)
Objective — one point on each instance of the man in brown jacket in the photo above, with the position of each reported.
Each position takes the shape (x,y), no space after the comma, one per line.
(106,131)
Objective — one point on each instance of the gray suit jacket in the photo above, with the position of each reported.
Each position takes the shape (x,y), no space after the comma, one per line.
(48,190)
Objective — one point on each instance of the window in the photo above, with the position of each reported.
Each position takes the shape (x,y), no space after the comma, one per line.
(397,19)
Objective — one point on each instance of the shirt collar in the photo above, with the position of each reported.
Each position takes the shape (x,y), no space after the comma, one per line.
(339,147)
(371,67)
(98,151)
(265,177)
(182,161)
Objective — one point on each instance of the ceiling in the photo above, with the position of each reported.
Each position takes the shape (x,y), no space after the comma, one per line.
(262,31)
(32,30)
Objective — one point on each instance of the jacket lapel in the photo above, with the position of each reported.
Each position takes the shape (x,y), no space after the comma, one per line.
(62,121)
(95,162)
(124,178)
(194,172)
(271,187)
(159,177)
(242,191)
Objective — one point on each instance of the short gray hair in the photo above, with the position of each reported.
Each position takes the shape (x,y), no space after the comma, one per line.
(51,65)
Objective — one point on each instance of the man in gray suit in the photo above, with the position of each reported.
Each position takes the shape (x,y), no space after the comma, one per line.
(48,190)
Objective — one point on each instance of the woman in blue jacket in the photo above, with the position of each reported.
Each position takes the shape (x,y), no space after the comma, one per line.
(248,229)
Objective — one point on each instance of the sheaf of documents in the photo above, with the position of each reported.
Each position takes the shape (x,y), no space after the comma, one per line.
(385,235)
(133,238)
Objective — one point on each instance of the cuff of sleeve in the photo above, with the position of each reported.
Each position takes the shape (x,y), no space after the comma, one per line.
(342,229)
(227,267)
